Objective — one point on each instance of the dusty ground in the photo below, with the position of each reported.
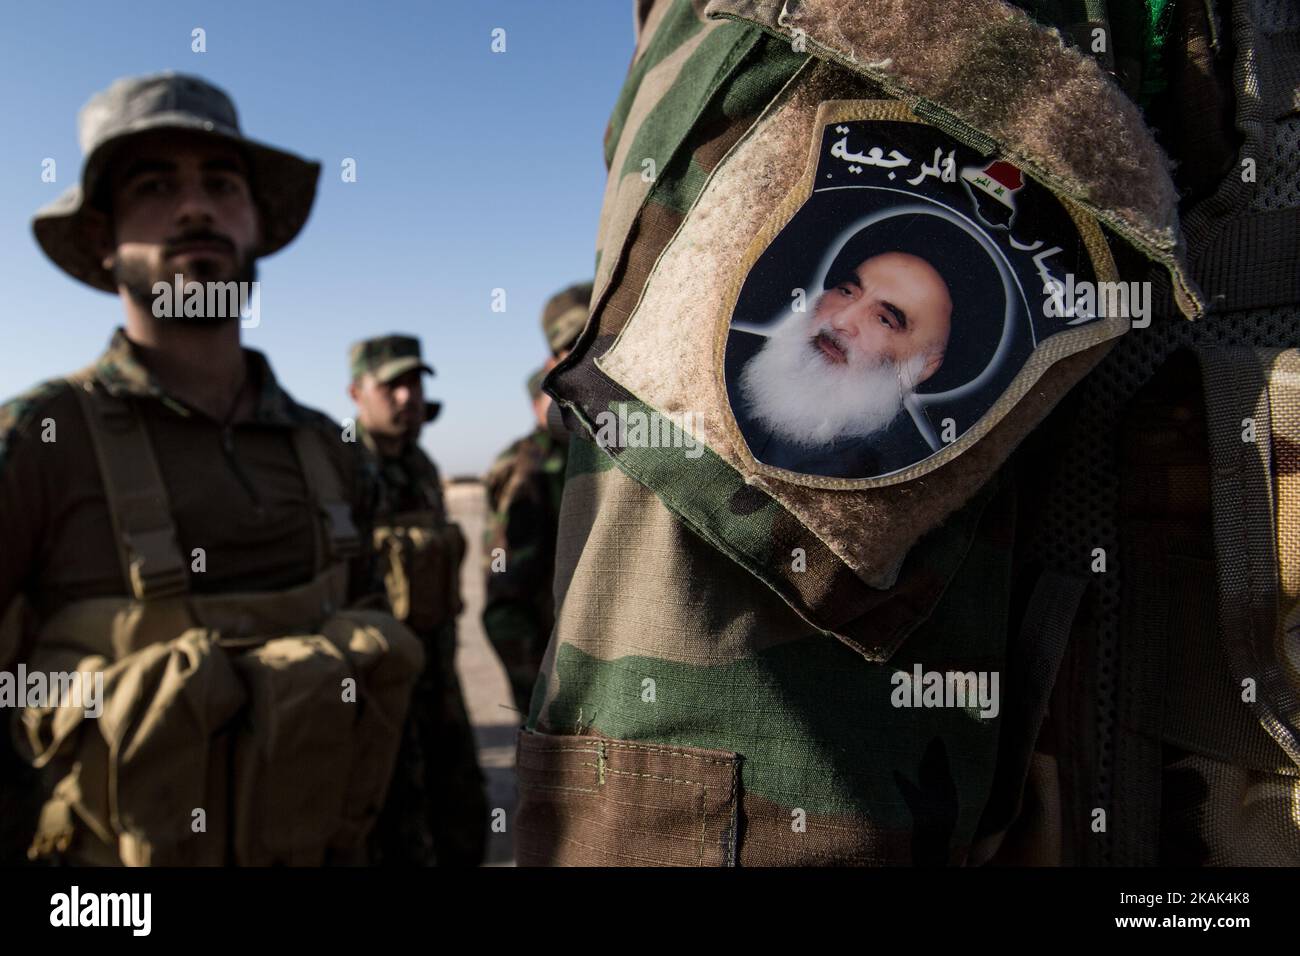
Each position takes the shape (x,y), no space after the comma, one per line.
(487,695)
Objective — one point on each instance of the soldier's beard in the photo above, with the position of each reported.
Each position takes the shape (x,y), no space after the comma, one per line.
(801,397)
(139,280)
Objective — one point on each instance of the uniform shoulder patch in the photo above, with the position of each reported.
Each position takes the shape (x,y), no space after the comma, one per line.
(907,293)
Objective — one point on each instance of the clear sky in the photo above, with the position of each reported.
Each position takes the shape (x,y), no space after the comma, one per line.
(475,171)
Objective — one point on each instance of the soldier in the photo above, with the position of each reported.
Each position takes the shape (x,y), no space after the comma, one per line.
(1060,631)
(183,536)
(439,807)
(524,488)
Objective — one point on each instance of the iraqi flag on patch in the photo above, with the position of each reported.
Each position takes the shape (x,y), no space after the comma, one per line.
(994,189)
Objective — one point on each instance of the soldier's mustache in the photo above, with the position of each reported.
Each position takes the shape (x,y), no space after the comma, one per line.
(193,237)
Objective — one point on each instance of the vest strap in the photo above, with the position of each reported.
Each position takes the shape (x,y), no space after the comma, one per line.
(148,547)
(341,540)
(1250,263)
(1245,387)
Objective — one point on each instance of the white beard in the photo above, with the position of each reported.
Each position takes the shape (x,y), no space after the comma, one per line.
(802,398)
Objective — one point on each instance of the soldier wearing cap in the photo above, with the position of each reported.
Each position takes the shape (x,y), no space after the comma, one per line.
(438,809)
(179,528)
(524,487)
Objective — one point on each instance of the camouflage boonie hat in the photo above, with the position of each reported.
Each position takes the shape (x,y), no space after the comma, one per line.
(565,315)
(535,383)
(390,356)
(283,185)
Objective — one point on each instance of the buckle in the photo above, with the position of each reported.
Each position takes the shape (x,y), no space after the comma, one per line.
(156,567)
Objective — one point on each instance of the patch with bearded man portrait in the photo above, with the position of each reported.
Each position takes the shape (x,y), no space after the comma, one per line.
(901,301)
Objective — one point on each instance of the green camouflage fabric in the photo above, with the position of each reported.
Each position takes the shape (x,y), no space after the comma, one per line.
(18,412)
(720,687)
(564,315)
(534,384)
(386,356)
(437,807)
(524,487)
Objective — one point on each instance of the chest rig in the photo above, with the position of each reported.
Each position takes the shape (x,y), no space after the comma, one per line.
(243,728)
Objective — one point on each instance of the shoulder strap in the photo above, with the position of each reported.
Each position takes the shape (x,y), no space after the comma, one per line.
(339,539)
(1284,404)
(1257,548)
(137,498)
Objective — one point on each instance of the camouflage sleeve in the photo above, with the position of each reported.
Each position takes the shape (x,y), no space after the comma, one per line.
(519,557)
(22,505)
(498,476)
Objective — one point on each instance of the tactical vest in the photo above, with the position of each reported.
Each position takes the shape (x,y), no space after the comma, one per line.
(421,554)
(1173,734)
(249,728)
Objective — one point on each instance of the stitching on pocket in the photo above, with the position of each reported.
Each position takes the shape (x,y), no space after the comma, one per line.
(547,786)
(716,821)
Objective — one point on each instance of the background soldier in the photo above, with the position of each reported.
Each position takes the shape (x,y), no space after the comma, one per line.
(175,523)
(524,488)
(439,808)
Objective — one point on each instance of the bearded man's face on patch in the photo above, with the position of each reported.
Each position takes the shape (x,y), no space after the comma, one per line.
(842,370)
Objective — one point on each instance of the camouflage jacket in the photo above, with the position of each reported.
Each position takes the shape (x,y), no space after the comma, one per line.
(524,487)
(421,576)
(436,804)
(749,665)
(407,482)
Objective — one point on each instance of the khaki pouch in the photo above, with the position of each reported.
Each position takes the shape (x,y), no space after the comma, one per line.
(421,561)
(306,727)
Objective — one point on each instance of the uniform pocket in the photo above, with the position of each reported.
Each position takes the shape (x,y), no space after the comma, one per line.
(594,801)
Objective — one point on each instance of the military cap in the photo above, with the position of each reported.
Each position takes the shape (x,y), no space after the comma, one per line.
(283,185)
(565,315)
(387,357)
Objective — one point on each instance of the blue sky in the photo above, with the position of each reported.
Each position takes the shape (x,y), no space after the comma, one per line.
(475,170)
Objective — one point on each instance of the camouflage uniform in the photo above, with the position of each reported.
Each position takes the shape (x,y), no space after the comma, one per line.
(717,690)
(437,812)
(564,315)
(524,488)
